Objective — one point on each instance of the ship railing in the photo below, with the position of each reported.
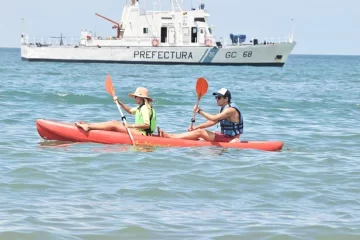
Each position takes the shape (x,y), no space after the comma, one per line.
(149,12)
(263,41)
(286,39)
(73,41)
(50,41)
(140,40)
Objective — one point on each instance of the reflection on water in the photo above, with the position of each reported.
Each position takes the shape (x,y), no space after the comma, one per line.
(56,143)
(102,148)
(208,150)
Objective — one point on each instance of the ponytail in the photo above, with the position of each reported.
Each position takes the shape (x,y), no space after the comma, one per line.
(147,103)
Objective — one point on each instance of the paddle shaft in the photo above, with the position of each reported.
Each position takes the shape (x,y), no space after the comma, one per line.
(124,121)
(193,118)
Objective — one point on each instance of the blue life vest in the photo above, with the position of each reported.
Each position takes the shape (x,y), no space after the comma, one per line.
(230,128)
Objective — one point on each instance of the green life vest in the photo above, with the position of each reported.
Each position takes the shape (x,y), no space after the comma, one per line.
(139,120)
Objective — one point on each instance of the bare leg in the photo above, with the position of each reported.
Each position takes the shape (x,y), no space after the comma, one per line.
(193,135)
(107,126)
(235,140)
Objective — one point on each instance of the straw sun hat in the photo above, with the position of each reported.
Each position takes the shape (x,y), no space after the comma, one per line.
(141,92)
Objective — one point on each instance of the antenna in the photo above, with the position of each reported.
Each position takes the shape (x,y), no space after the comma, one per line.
(95,30)
(22,26)
(22,40)
(292,30)
(172,5)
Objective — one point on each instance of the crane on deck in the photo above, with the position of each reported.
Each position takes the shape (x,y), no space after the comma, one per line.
(116,24)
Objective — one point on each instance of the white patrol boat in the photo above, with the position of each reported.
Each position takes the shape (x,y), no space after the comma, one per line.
(159,37)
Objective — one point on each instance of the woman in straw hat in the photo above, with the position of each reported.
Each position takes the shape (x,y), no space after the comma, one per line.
(145,116)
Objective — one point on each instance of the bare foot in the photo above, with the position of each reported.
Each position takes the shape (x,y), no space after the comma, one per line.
(161,133)
(83,126)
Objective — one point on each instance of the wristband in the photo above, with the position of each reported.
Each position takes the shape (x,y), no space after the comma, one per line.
(199,110)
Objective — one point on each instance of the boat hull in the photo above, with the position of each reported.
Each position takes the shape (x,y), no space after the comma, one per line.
(253,55)
(53,130)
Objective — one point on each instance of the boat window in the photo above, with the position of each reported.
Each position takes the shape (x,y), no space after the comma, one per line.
(194,34)
(199,19)
(145,30)
(210,31)
(163,34)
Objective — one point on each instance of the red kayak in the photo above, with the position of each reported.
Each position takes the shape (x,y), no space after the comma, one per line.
(52,130)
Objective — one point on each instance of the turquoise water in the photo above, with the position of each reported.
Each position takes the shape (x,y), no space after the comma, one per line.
(309,190)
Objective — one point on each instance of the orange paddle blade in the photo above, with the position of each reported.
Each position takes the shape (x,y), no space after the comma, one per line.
(109,85)
(201,87)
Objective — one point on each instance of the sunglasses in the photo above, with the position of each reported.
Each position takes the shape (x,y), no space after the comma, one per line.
(218,97)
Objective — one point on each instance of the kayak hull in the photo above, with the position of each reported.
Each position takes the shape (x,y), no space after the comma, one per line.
(60,131)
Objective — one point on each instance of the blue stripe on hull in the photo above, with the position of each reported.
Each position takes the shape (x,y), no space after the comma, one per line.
(210,56)
(269,64)
(204,55)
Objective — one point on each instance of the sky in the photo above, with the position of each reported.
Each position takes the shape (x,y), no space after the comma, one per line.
(320,26)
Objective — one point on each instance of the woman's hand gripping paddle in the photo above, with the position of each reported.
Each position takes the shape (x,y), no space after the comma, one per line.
(201,89)
(111,90)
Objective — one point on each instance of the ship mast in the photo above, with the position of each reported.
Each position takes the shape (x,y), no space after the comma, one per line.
(173,5)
